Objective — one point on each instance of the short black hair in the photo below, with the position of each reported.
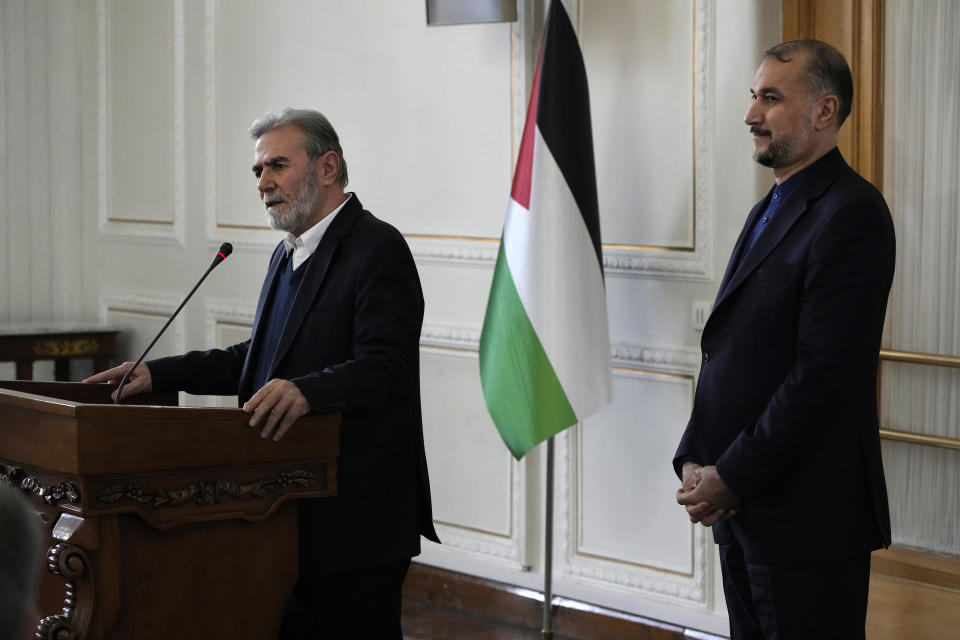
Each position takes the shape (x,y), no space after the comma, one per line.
(827,70)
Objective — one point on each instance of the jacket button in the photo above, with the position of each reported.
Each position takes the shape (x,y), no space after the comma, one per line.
(706,357)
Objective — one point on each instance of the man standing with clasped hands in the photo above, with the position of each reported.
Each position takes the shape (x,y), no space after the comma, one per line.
(781,455)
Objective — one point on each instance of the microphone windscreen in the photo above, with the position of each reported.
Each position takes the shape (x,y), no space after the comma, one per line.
(226,249)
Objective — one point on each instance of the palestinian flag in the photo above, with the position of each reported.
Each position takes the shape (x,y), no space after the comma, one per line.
(545,348)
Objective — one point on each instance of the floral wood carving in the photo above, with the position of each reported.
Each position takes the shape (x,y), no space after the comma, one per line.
(206,492)
(51,495)
(10,475)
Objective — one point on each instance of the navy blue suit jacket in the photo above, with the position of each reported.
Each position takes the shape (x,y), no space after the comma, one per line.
(350,344)
(786,401)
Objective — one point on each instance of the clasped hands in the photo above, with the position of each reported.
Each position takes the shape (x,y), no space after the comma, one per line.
(705,495)
(276,406)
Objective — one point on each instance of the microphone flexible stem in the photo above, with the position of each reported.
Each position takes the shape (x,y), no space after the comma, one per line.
(123,380)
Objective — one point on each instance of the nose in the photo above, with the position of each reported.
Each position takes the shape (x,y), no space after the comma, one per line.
(265,183)
(753,115)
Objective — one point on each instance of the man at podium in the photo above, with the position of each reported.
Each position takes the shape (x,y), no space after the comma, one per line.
(337,329)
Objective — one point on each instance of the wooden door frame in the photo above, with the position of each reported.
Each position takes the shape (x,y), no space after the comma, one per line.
(855,27)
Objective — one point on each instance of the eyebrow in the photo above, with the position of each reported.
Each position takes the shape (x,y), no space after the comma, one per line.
(766,91)
(272,162)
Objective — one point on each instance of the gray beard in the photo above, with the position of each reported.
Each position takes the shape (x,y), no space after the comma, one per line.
(298,211)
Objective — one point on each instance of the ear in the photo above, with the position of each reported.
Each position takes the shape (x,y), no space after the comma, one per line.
(327,167)
(825,113)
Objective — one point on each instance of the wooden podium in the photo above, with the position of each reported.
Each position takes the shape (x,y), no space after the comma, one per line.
(164,521)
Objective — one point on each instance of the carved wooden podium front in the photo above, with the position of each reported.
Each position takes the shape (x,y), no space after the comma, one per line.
(164,521)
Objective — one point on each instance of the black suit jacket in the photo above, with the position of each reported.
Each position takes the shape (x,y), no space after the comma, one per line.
(786,402)
(350,344)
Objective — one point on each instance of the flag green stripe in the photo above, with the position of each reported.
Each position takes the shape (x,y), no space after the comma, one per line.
(522,391)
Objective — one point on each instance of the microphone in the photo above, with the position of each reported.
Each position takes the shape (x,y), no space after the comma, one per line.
(225,250)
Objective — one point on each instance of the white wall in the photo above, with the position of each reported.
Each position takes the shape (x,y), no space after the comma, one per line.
(124,134)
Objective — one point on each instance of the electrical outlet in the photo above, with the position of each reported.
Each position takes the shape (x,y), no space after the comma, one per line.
(699,314)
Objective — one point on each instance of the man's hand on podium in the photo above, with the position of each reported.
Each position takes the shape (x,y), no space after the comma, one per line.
(277,405)
(138,382)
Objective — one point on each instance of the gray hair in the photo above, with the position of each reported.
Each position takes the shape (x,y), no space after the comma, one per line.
(319,135)
(20,561)
(827,71)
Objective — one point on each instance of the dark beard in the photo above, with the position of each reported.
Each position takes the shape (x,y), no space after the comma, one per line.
(775,155)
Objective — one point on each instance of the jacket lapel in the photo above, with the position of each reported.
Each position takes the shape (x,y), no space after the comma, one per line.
(738,247)
(317,269)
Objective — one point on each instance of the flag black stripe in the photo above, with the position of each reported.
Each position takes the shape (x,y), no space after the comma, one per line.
(563,116)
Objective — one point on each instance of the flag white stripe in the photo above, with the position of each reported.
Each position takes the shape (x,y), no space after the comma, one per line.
(555,270)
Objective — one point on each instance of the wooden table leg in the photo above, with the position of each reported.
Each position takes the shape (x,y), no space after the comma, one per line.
(24,369)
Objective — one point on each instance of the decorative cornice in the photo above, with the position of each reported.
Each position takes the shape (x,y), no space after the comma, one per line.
(468,251)
(502,549)
(450,336)
(682,265)
(657,357)
(145,302)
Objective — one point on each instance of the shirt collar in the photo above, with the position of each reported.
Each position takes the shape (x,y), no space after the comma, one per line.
(784,188)
(306,243)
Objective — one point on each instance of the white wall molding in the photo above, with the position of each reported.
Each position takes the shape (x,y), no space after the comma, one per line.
(657,262)
(110,224)
(610,574)
(658,357)
(497,535)
(246,237)
(220,311)
(646,356)
(450,336)
(155,304)
(471,251)
(508,552)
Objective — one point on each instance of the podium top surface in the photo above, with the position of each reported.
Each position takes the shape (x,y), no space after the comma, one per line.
(73,428)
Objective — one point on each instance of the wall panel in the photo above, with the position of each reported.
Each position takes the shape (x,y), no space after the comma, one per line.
(644,147)
(621,514)
(423,113)
(141,119)
(475,484)
(139,316)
